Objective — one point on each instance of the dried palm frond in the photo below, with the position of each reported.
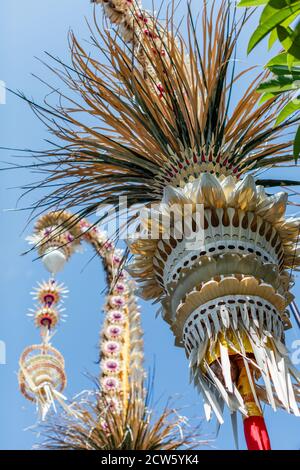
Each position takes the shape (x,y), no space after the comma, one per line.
(122,132)
(101,427)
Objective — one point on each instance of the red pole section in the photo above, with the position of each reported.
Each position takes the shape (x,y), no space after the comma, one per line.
(255,429)
(256,433)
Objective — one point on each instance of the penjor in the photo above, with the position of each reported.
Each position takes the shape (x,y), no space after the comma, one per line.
(172,137)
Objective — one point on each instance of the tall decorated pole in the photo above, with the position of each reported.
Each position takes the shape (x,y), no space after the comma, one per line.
(214,244)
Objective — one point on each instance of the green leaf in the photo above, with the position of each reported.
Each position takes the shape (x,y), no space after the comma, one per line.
(251,3)
(273,35)
(273,7)
(272,38)
(285,36)
(267,96)
(297,27)
(280,59)
(279,84)
(297,144)
(283,70)
(292,107)
(294,49)
(291,42)
(274,20)
(290,61)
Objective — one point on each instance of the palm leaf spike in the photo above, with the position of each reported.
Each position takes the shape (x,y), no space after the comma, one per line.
(136,430)
(190,146)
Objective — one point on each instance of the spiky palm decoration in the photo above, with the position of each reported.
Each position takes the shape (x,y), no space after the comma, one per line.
(166,132)
(100,427)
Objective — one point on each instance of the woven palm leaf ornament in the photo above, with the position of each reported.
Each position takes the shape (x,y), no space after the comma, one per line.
(42,376)
(121,339)
(188,145)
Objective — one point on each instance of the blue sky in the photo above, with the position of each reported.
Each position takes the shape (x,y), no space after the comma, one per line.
(27,30)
